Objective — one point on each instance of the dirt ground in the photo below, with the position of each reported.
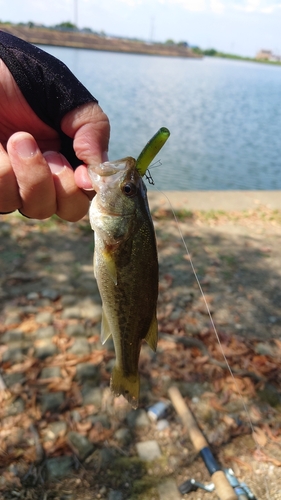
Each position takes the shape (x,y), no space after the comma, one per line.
(47,283)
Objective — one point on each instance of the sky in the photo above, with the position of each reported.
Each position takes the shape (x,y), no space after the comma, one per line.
(236,26)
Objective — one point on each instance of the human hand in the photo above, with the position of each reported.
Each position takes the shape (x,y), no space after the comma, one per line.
(34,177)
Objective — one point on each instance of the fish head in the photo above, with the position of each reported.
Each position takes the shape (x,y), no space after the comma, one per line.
(118,186)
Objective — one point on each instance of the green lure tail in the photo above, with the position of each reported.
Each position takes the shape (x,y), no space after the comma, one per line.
(151,149)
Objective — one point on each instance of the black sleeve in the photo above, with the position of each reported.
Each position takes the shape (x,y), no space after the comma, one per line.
(49,87)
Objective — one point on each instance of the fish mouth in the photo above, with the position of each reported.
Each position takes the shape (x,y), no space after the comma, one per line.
(108,168)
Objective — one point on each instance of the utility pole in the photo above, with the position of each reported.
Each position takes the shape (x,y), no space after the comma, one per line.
(76,13)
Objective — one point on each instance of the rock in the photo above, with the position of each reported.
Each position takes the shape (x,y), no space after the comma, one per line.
(110,365)
(46,350)
(115,495)
(91,395)
(42,256)
(45,333)
(29,309)
(94,330)
(193,389)
(264,348)
(192,329)
(68,300)
(77,330)
(75,415)
(14,354)
(59,467)
(50,372)
(223,316)
(138,418)
(13,318)
(51,401)
(92,311)
(148,450)
(51,294)
(11,336)
(13,315)
(272,319)
(107,456)
(100,419)
(80,347)
(162,424)
(87,371)
(81,444)
(88,286)
(71,313)
(43,303)
(44,317)
(175,315)
(33,296)
(15,408)
(168,489)
(11,379)
(123,435)
(270,395)
(54,430)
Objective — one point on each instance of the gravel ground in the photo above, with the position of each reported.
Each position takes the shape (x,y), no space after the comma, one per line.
(63,435)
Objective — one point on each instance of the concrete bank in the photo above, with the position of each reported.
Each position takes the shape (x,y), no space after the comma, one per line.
(216,200)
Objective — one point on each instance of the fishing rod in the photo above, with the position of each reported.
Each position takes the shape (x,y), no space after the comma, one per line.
(224,482)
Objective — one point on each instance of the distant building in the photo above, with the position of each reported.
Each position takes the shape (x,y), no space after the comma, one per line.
(267,55)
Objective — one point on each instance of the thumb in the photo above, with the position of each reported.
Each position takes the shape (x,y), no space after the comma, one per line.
(89,127)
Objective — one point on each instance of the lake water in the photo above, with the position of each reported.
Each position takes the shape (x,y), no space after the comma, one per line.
(224,116)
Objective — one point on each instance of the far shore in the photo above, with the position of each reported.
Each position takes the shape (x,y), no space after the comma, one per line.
(78,39)
(215,200)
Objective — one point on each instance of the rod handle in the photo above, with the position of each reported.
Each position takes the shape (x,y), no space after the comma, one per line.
(196,436)
(223,489)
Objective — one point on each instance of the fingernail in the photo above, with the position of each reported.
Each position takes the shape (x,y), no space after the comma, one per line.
(55,162)
(26,148)
(85,181)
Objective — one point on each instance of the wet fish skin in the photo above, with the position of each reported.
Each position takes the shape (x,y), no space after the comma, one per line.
(126,268)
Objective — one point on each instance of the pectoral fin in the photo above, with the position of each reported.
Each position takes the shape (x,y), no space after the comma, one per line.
(105,330)
(152,334)
(110,265)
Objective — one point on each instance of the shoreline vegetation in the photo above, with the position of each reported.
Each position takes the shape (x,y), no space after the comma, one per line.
(67,34)
(67,37)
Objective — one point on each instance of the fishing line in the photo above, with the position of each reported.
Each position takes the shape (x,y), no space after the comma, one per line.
(143,161)
(258,447)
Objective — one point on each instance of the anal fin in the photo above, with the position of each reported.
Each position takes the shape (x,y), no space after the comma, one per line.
(105,329)
(152,335)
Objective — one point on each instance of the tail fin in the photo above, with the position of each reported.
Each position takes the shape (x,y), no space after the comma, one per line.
(128,386)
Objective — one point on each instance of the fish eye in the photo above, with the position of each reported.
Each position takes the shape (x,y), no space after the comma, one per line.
(130,189)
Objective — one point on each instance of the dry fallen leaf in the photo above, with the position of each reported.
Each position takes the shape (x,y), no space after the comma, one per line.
(263,457)
(83,427)
(260,436)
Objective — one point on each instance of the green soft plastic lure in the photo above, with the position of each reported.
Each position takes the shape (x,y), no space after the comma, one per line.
(151,149)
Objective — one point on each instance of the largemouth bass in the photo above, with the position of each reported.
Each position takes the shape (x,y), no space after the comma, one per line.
(125,267)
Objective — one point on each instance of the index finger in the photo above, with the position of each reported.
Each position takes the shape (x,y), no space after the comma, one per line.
(89,127)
